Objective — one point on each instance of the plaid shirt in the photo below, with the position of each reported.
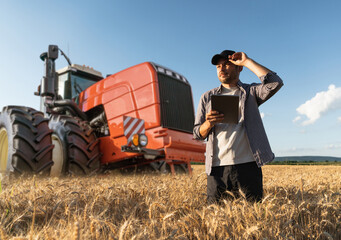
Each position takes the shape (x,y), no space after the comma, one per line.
(252,96)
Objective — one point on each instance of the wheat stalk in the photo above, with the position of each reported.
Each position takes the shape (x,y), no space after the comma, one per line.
(299,203)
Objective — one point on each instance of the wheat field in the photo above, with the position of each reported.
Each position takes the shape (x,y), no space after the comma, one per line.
(300,202)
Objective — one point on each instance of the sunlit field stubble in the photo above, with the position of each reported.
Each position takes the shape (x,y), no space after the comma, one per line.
(300,202)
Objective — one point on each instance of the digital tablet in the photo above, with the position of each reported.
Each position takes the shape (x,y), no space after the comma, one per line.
(227,105)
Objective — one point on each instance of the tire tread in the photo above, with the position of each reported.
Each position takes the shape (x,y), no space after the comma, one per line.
(82,146)
(32,151)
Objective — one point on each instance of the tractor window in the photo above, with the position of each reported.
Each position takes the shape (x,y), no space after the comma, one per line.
(79,84)
(64,86)
(71,85)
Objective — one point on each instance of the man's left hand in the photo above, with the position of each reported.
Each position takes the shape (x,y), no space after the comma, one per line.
(238,58)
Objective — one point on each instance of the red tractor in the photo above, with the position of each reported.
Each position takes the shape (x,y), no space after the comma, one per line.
(142,115)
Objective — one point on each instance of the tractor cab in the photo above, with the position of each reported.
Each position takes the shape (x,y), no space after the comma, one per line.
(74,79)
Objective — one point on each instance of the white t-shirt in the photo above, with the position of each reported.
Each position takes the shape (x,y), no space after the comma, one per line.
(231,145)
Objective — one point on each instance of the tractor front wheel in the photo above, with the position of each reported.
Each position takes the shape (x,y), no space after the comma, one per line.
(25,141)
(76,149)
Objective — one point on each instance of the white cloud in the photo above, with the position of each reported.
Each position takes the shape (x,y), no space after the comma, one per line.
(295,151)
(333,146)
(320,104)
(298,149)
(339,119)
(262,115)
(297,119)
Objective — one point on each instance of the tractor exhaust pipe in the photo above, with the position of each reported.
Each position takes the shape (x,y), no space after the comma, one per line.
(48,90)
(49,83)
(67,105)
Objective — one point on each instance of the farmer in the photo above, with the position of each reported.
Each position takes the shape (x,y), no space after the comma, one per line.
(236,152)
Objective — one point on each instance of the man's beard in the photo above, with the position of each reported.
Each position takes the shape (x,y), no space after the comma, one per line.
(229,78)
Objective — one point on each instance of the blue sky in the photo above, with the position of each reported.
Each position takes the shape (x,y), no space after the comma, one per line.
(300,40)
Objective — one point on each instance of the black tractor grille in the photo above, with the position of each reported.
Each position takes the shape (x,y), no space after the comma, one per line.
(176,103)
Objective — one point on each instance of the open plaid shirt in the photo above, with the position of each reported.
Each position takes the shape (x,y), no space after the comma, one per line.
(252,96)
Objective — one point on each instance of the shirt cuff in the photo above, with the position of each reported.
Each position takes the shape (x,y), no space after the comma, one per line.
(269,74)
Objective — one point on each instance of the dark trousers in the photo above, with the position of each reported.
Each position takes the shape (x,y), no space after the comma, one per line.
(246,177)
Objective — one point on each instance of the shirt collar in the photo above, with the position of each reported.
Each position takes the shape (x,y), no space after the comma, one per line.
(239,84)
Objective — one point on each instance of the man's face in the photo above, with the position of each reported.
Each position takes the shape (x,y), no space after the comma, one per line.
(227,72)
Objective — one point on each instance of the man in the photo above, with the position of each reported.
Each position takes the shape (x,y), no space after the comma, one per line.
(236,152)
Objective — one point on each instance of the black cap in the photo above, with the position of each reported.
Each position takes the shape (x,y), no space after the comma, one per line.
(223,55)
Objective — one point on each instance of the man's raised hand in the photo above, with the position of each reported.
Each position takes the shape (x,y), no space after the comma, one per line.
(238,58)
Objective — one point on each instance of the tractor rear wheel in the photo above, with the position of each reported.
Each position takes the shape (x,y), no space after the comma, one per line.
(76,146)
(25,141)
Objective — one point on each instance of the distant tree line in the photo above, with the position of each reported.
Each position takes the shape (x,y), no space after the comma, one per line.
(326,162)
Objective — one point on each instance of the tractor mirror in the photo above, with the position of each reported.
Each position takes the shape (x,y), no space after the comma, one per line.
(53,52)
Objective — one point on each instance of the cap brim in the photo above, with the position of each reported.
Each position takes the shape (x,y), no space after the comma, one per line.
(223,55)
(216,59)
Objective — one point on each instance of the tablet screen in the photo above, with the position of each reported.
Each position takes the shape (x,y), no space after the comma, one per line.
(227,105)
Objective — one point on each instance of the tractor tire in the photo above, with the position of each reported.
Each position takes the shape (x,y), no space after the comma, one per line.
(76,147)
(163,167)
(25,141)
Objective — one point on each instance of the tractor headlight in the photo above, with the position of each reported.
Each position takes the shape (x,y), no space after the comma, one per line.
(140,140)
(143,140)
